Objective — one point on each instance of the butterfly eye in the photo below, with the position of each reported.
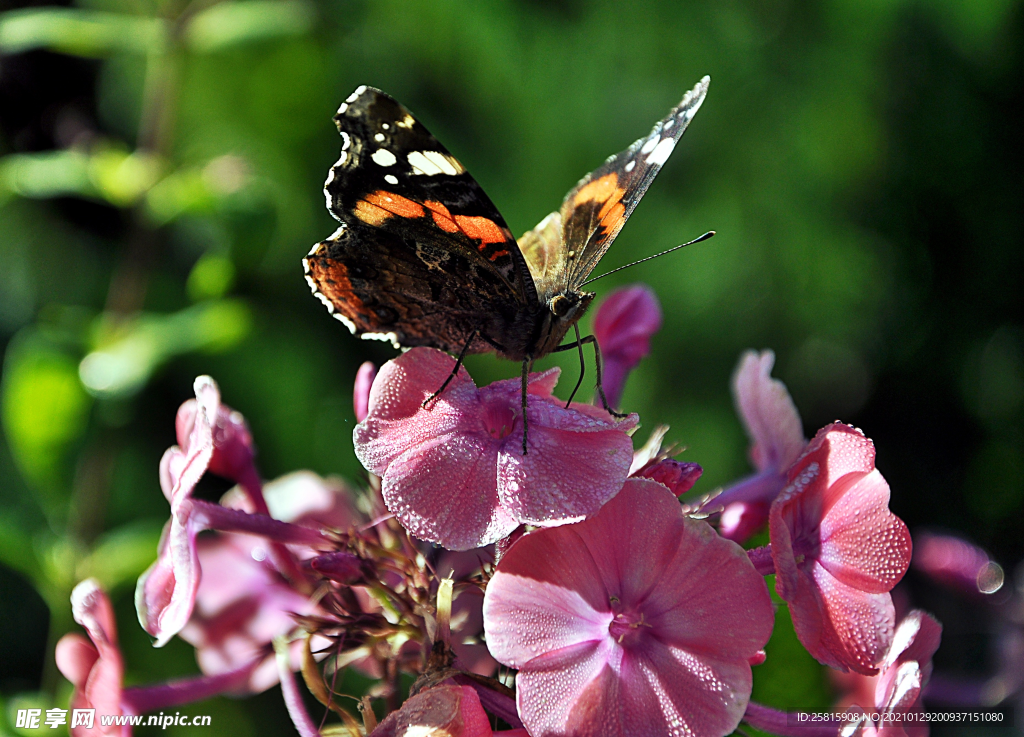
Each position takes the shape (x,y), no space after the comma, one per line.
(560,304)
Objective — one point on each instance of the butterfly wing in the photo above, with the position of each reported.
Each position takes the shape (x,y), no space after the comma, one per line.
(595,210)
(422,257)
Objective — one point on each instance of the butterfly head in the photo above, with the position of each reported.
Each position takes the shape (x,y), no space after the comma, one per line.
(569,306)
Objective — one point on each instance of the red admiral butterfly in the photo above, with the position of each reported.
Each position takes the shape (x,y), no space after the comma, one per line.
(423,258)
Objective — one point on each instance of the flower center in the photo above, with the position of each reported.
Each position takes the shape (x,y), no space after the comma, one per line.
(627,627)
(499,419)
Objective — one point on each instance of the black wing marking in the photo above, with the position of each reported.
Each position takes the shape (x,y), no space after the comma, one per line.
(394,175)
(595,210)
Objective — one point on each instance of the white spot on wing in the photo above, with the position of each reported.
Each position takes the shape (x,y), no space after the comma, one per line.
(434,162)
(649,145)
(630,165)
(391,179)
(355,95)
(378,137)
(661,152)
(385,126)
(383,157)
(342,108)
(406,122)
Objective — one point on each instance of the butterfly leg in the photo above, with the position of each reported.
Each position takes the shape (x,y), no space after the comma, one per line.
(527,365)
(455,371)
(597,364)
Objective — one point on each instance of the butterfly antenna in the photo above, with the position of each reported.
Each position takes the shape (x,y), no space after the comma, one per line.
(674,248)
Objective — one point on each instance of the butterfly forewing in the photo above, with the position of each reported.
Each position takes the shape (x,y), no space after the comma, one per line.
(416,228)
(595,210)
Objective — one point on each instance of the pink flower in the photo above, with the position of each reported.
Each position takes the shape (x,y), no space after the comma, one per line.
(243,602)
(166,592)
(453,711)
(456,474)
(957,564)
(211,437)
(361,392)
(95,668)
(623,326)
(776,436)
(904,673)
(639,621)
(653,462)
(838,550)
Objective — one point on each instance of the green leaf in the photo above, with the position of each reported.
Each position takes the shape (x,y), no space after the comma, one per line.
(88,33)
(210,278)
(126,355)
(230,23)
(16,549)
(47,174)
(45,409)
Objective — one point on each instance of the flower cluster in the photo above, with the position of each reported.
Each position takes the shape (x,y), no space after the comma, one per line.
(622,609)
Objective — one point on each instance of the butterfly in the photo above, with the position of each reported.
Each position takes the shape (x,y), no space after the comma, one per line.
(422,257)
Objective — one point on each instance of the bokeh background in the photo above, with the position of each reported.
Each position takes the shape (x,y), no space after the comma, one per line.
(161,165)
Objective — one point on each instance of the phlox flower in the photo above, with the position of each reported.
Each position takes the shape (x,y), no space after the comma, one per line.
(166,591)
(903,675)
(653,462)
(623,325)
(452,711)
(776,439)
(243,602)
(455,473)
(838,550)
(637,622)
(95,667)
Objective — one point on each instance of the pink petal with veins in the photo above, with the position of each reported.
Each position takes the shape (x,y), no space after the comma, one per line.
(623,325)
(638,621)
(96,669)
(455,474)
(838,551)
(768,413)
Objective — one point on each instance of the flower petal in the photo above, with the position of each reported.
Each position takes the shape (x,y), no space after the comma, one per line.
(396,421)
(445,491)
(857,626)
(166,592)
(545,596)
(767,412)
(575,465)
(863,544)
(548,689)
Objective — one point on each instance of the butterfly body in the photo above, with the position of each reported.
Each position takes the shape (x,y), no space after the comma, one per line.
(423,258)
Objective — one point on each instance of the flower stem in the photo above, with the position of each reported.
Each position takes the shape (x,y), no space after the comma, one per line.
(142,699)
(290,690)
(216,517)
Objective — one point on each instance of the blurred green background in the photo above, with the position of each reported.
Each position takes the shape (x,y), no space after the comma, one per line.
(161,166)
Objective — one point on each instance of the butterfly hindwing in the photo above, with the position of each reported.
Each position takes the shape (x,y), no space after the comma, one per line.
(382,285)
(595,210)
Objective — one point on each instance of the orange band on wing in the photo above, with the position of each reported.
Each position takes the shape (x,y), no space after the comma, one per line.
(442,217)
(395,204)
(600,189)
(481,229)
(371,214)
